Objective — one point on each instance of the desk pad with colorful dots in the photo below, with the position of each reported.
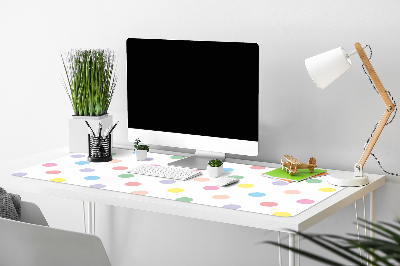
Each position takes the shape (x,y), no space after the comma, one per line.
(253,192)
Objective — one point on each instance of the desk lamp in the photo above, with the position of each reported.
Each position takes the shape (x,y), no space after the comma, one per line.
(323,70)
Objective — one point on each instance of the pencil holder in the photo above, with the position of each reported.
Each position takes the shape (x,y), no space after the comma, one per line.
(99,149)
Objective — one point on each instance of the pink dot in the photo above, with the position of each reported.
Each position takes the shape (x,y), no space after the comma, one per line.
(140,192)
(201,179)
(269,204)
(49,164)
(305,201)
(292,192)
(132,184)
(210,188)
(256,167)
(53,172)
(120,168)
(155,164)
(115,161)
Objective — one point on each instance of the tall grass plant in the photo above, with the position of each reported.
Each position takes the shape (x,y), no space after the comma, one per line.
(91,80)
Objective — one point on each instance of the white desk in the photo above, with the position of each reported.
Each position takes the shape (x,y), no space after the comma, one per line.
(297,223)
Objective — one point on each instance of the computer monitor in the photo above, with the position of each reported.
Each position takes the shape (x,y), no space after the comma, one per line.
(199,95)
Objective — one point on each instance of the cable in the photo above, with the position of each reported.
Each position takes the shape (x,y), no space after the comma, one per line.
(387,123)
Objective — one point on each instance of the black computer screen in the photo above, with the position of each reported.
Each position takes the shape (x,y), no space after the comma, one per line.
(193,87)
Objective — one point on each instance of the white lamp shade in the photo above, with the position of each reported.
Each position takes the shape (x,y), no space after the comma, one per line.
(326,67)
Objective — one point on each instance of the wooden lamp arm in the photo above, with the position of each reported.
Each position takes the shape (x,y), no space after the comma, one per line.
(389,109)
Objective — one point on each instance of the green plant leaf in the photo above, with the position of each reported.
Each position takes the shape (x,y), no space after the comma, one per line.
(384,251)
(91,80)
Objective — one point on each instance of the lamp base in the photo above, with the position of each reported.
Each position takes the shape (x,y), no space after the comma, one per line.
(348,180)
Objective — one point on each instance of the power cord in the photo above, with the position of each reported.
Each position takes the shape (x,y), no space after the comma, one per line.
(387,123)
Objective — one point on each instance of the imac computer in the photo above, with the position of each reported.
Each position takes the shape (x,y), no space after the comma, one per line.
(200,95)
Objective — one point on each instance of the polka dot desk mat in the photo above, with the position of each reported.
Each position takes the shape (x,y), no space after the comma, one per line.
(253,192)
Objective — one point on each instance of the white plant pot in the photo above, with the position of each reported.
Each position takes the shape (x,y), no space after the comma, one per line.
(214,171)
(78,131)
(141,155)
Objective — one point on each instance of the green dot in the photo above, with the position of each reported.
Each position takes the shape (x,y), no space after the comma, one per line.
(176,157)
(184,199)
(126,175)
(314,181)
(237,176)
(113,153)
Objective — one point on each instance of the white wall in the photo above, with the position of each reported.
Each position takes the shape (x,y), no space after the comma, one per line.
(295,117)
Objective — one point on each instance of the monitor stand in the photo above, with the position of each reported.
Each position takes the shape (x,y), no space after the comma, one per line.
(199,160)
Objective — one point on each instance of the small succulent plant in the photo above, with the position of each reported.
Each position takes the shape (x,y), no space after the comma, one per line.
(215,163)
(140,147)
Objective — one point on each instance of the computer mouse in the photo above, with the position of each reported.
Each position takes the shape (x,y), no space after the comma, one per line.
(224,181)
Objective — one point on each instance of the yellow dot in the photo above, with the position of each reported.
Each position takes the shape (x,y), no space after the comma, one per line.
(175,190)
(282,214)
(245,185)
(327,189)
(57,180)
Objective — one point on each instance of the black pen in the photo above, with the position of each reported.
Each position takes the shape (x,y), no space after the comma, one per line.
(111,129)
(89,127)
(101,127)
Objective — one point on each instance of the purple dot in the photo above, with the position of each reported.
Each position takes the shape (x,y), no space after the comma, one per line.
(280,183)
(167,181)
(232,206)
(77,156)
(148,159)
(97,186)
(19,174)
(86,170)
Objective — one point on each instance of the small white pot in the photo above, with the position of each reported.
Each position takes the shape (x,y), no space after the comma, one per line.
(214,171)
(141,155)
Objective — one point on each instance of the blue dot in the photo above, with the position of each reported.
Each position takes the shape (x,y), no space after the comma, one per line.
(227,169)
(92,177)
(257,194)
(82,162)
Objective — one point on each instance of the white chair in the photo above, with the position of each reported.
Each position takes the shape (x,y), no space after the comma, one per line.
(32,243)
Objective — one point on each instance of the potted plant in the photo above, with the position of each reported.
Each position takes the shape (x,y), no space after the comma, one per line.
(140,150)
(214,168)
(90,83)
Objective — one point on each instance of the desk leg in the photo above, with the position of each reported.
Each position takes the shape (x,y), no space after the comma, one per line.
(88,215)
(372,214)
(372,210)
(292,238)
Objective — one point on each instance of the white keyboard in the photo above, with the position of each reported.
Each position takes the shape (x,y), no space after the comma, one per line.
(165,172)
